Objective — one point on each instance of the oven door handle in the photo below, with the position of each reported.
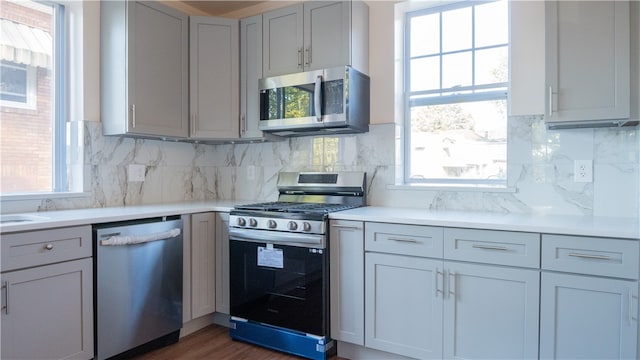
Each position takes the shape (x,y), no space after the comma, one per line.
(274,237)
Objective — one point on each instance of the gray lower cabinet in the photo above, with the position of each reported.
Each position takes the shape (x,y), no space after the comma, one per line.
(144,69)
(222,263)
(47,294)
(347,281)
(403,305)
(203,264)
(588,317)
(589,298)
(490,312)
(433,292)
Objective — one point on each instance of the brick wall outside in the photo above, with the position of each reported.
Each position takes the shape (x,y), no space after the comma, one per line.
(26,134)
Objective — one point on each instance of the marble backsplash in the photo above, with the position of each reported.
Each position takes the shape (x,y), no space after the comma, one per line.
(540,173)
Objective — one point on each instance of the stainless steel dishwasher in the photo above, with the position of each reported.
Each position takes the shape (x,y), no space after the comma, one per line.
(137,285)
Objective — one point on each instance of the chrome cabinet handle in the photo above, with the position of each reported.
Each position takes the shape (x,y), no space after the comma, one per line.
(243,124)
(48,247)
(452,287)
(307,52)
(550,101)
(630,307)
(589,256)
(300,57)
(5,286)
(489,247)
(317,98)
(133,115)
(350,227)
(436,274)
(407,240)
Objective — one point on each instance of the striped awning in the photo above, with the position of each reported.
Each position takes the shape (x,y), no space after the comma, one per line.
(24,44)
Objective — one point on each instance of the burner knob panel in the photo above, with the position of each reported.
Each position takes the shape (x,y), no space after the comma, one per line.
(272,224)
(306,226)
(241,221)
(292,225)
(253,222)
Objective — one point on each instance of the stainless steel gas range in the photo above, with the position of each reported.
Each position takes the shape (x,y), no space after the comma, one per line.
(279,262)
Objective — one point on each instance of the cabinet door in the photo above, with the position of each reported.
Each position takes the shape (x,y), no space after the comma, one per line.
(327,34)
(47,312)
(222,263)
(347,281)
(158,70)
(214,78)
(490,312)
(250,73)
(203,252)
(587,60)
(526,58)
(585,317)
(403,305)
(282,41)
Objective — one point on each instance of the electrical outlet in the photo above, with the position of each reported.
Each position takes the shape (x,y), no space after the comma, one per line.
(583,171)
(136,172)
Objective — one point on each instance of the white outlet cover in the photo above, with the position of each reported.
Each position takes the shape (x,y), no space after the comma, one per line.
(136,172)
(583,171)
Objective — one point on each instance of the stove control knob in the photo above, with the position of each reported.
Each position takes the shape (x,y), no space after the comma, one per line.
(292,225)
(306,226)
(272,224)
(242,221)
(253,222)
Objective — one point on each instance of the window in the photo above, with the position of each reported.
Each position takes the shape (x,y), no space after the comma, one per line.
(32,97)
(456,70)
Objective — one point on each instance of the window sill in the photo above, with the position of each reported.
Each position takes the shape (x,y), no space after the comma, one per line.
(44,196)
(453,188)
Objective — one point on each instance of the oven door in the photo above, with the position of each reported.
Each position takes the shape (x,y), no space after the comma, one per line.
(279,285)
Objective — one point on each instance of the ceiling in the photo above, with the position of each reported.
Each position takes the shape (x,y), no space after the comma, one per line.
(222,8)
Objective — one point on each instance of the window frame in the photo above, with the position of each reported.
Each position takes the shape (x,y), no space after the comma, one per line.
(59,185)
(446,95)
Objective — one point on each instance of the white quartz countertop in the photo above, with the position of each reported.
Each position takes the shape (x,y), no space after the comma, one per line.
(626,228)
(63,218)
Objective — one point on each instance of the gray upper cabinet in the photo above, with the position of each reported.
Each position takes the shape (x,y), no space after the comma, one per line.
(316,35)
(214,78)
(144,69)
(587,62)
(250,73)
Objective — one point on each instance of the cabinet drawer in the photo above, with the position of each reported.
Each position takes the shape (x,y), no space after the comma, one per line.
(403,239)
(589,255)
(41,247)
(493,247)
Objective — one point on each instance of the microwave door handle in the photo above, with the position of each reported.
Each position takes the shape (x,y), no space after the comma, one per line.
(317,98)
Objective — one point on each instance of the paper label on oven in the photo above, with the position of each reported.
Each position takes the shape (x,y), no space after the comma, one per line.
(270,257)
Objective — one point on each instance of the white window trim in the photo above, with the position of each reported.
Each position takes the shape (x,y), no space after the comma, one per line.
(402,108)
(75,100)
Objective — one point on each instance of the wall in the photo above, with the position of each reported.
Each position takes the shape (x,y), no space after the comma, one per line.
(540,163)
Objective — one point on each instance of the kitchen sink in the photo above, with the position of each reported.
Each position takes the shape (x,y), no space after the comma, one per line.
(11,219)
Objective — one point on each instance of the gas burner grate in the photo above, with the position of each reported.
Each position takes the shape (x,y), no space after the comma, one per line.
(295,207)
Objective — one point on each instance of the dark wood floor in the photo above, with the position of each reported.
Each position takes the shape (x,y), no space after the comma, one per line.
(213,342)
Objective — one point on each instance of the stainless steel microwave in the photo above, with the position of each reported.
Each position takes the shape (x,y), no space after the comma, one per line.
(319,102)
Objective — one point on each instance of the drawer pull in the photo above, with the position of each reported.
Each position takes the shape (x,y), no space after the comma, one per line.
(351,227)
(5,286)
(48,247)
(407,240)
(488,247)
(588,256)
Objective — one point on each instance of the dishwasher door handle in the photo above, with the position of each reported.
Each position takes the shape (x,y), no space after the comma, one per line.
(119,240)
